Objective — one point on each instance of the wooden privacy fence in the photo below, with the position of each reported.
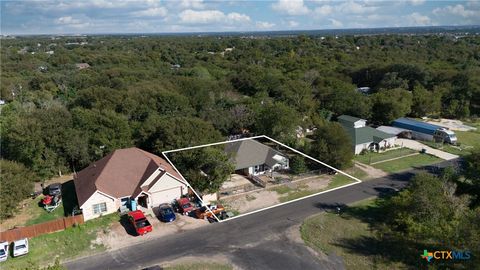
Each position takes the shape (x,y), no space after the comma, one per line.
(39,229)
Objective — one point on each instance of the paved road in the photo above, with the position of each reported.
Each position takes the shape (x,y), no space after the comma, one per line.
(257,241)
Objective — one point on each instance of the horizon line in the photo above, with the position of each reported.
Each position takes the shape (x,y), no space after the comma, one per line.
(455,27)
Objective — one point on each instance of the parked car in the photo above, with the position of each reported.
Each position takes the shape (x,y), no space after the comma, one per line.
(3,251)
(20,247)
(202,212)
(54,189)
(139,222)
(166,213)
(184,206)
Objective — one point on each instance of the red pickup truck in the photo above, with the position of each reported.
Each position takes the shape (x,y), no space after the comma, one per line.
(139,222)
(184,206)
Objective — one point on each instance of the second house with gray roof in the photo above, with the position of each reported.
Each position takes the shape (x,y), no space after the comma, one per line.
(251,157)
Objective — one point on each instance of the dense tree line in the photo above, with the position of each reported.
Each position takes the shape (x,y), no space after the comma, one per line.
(160,93)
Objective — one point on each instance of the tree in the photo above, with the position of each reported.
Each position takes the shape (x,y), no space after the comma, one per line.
(424,102)
(158,133)
(389,105)
(428,209)
(205,169)
(106,130)
(297,165)
(332,145)
(16,184)
(277,120)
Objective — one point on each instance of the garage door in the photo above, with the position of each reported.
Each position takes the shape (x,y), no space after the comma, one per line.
(166,196)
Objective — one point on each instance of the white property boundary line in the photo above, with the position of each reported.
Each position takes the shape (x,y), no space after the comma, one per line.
(357,181)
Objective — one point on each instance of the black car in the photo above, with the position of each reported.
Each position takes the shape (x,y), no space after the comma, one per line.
(54,189)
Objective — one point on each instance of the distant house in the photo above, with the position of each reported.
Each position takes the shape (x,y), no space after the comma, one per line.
(123,176)
(81,66)
(251,157)
(365,137)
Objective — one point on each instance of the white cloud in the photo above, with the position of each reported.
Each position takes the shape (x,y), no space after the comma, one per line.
(324,10)
(352,7)
(151,12)
(336,23)
(190,16)
(71,22)
(349,7)
(264,25)
(237,17)
(458,10)
(291,7)
(417,19)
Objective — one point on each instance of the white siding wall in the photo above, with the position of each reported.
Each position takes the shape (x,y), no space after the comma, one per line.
(87,207)
(360,147)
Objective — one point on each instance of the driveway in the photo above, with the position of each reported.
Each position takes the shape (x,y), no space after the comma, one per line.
(258,241)
(416,145)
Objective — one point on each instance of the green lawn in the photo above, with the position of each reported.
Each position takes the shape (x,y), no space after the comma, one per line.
(407,163)
(467,140)
(40,215)
(200,266)
(339,234)
(372,157)
(67,244)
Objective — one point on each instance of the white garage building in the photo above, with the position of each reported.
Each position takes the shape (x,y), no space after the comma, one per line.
(125,175)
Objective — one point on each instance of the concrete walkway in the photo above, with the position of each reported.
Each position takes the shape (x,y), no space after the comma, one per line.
(416,145)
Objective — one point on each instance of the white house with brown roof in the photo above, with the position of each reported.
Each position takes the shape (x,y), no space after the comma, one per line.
(124,175)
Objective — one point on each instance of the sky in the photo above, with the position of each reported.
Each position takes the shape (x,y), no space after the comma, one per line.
(168,16)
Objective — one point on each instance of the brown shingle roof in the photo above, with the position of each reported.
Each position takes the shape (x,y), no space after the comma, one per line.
(119,174)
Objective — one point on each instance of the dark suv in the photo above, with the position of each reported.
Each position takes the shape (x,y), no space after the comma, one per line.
(54,189)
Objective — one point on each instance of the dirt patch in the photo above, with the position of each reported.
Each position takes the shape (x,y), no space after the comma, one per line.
(252,201)
(452,124)
(117,235)
(371,172)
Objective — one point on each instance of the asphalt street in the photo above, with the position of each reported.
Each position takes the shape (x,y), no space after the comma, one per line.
(256,241)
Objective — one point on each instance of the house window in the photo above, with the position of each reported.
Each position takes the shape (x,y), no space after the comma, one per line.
(99,208)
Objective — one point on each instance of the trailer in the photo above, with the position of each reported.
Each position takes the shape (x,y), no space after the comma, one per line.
(425,131)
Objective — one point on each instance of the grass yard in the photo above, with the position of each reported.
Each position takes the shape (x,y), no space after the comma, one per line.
(406,163)
(338,234)
(40,215)
(372,157)
(67,244)
(200,266)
